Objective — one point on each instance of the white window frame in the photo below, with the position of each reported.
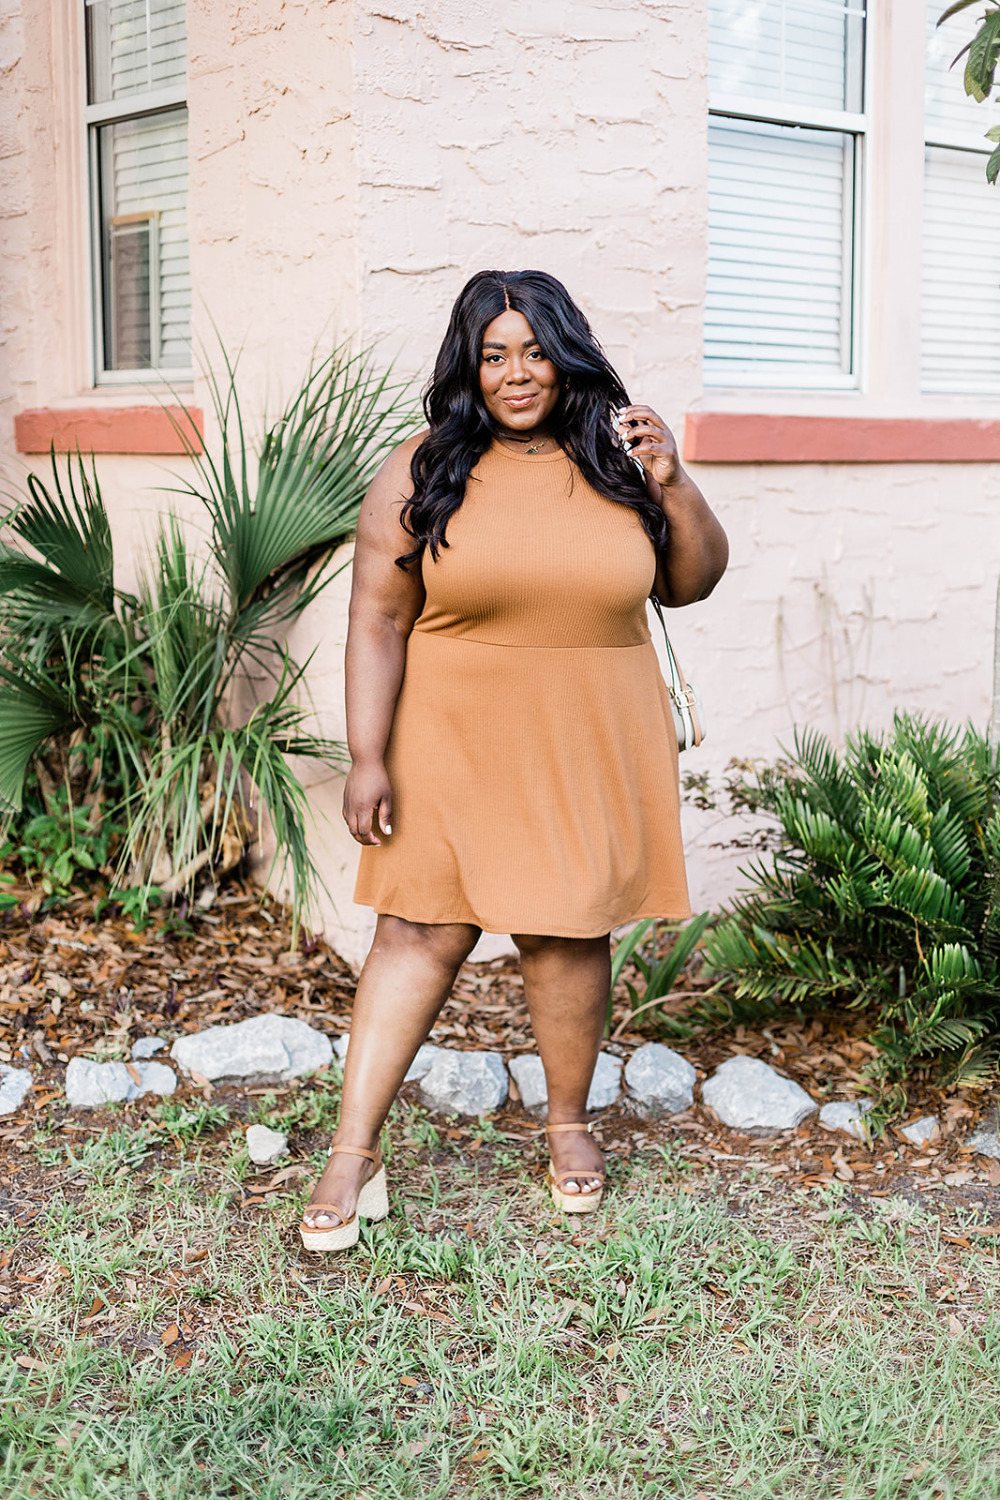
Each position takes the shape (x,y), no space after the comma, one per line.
(115,111)
(854,292)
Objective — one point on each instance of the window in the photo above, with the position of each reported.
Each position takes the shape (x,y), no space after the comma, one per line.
(137,123)
(961,272)
(786,138)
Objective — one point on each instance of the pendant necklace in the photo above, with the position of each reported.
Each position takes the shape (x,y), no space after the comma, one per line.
(534,448)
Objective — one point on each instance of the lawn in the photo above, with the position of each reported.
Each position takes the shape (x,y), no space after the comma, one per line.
(803,1316)
(703,1336)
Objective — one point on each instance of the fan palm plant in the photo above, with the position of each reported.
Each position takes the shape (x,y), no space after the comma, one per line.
(146,681)
(883,895)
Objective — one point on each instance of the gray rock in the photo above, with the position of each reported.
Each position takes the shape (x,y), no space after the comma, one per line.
(748,1095)
(986,1142)
(90,1084)
(605,1086)
(265,1146)
(464,1083)
(921,1132)
(420,1065)
(14,1086)
(660,1080)
(848,1115)
(266,1045)
(157,1078)
(146,1046)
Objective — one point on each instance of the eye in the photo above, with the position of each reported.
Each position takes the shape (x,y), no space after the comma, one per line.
(535,354)
(489,359)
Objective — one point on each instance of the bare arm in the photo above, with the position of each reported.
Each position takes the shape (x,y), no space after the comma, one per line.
(385,602)
(699,550)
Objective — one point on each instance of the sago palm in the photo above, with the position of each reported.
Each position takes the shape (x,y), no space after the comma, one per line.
(884,895)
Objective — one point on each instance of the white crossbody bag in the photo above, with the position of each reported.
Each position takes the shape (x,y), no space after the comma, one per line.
(685,701)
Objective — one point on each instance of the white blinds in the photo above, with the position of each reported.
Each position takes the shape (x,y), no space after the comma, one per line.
(136,46)
(778,295)
(137,65)
(147,163)
(795,51)
(961,300)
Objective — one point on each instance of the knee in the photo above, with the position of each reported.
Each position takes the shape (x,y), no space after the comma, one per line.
(448,944)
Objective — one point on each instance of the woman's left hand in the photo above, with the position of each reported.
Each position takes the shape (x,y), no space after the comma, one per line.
(651,441)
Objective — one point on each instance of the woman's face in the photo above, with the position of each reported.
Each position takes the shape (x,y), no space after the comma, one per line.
(519,384)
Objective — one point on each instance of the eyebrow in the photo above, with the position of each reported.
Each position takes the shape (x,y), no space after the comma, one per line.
(528,344)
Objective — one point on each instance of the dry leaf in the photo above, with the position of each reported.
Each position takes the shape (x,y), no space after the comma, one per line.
(843,1171)
(170,1335)
(621,1394)
(27,1363)
(95,1308)
(384,1286)
(954,1326)
(992,1170)
(611,1352)
(192,1257)
(200,1080)
(182,1360)
(134,1074)
(479,1455)
(407,1380)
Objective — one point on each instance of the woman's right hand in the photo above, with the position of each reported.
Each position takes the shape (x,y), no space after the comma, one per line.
(368,802)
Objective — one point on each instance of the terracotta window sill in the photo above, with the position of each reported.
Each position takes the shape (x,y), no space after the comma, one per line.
(715,437)
(121,429)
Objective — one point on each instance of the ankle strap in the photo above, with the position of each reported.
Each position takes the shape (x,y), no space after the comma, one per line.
(355,1151)
(587,1125)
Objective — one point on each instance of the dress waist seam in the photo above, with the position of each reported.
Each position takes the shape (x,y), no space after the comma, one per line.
(445,635)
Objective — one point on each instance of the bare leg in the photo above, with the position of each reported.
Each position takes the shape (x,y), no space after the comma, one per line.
(566,983)
(406,979)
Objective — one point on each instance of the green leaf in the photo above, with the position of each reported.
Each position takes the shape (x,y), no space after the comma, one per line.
(984,52)
(954,9)
(993,166)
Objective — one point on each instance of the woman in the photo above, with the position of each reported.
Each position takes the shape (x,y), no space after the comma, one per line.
(514,762)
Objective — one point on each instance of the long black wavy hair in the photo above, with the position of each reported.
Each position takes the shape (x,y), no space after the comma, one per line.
(461,428)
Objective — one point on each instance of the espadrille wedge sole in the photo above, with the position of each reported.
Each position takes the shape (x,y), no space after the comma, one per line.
(573,1203)
(373,1203)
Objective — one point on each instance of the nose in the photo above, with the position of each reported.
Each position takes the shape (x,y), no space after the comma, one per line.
(517,371)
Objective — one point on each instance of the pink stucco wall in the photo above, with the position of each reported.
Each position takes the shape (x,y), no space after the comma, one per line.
(352,162)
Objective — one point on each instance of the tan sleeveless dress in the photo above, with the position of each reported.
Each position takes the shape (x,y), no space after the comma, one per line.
(533,758)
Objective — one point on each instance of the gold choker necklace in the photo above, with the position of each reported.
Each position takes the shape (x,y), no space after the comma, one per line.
(533,447)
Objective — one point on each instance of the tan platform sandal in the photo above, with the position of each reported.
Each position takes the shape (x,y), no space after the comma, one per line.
(573,1203)
(373,1203)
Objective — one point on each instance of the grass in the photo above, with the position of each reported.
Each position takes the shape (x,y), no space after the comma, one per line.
(166,1337)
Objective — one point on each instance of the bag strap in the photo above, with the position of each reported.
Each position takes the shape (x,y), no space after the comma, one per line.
(682,694)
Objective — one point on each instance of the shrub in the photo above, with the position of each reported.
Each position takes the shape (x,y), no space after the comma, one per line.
(883,895)
(125,702)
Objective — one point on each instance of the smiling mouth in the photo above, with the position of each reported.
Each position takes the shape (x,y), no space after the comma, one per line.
(518,401)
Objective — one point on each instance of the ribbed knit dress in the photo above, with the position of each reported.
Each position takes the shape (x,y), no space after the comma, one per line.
(533,758)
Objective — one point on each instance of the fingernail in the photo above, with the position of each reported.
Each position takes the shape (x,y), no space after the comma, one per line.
(388,828)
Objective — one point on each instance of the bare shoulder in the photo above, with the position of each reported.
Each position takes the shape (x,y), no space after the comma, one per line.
(388,492)
(393,479)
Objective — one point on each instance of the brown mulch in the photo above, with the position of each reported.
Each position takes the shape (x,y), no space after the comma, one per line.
(72,985)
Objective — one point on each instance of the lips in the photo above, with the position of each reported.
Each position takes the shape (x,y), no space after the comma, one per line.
(518,402)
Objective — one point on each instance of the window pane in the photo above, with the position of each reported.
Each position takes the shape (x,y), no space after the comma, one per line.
(147,284)
(961,305)
(780,214)
(788,51)
(134,46)
(950,112)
